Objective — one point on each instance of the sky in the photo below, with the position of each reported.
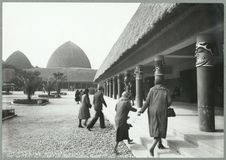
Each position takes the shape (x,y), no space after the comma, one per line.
(38,29)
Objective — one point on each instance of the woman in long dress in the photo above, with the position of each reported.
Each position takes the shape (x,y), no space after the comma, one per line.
(84,108)
(157,102)
(123,107)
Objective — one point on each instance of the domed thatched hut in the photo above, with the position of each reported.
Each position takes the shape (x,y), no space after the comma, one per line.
(18,60)
(69,55)
(68,59)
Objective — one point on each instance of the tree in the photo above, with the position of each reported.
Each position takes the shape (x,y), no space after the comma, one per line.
(50,85)
(14,81)
(59,78)
(18,83)
(30,81)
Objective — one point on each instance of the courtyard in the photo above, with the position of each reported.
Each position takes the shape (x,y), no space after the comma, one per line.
(150,44)
(52,131)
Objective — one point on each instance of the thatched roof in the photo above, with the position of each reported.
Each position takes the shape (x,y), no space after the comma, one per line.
(72,74)
(148,20)
(8,74)
(18,60)
(69,55)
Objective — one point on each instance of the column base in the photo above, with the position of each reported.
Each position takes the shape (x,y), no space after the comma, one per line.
(206,118)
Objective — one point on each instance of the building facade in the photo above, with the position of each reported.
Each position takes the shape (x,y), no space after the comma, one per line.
(68,59)
(183,42)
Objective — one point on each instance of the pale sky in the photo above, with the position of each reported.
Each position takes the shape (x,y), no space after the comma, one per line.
(38,29)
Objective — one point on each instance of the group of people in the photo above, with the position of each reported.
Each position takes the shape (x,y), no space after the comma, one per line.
(157,102)
(98,101)
(78,96)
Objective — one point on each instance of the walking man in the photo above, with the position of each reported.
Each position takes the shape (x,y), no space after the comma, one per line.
(98,101)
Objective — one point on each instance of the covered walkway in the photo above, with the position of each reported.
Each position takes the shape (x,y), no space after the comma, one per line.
(184,139)
(167,41)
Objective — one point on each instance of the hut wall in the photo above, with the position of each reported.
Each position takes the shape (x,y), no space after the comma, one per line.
(8,74)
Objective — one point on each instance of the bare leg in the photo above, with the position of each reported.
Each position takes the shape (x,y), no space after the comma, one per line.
(85,123)
(80,123)
(160,145)
(130,141)
(154,143)
(116,146)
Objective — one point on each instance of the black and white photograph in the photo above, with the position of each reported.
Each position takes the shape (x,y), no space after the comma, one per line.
(112,80)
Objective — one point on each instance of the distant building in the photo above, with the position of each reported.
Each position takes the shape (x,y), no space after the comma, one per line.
(18,60)
(68,59)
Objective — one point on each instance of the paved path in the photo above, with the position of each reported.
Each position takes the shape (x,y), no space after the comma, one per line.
(51,131)
(181,129)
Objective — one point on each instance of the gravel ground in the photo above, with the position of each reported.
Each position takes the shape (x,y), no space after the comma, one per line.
(52,131)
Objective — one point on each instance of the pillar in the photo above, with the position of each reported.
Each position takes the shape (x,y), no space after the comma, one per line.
(126,81)
(132,87)
(205,82)
(105,88)
(86,85)
(108,88)
(120,87)
(139,86)
(158,71)
(114,87)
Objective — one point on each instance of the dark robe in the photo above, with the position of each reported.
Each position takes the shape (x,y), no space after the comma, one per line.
(157,102)
(84,108)
(77,96)
(122,110)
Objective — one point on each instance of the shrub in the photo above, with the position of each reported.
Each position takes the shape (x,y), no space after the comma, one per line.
(49,96)
(32,101)
(59,78)
(30,81)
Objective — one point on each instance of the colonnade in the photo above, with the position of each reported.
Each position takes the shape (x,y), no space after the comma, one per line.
(114,86)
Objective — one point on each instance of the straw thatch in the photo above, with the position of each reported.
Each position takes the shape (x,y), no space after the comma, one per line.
(148,20)
(18,60)
(69,55)
(72,74)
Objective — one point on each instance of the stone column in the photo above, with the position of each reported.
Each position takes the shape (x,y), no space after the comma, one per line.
(105,88)
(114,87)
(158,71)
(87,85)
(205,82)
(120,89)
(68,86)
(139,86)
(110,87)
(126,81)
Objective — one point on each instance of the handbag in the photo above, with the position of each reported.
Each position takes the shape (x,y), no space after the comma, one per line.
(170,112)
